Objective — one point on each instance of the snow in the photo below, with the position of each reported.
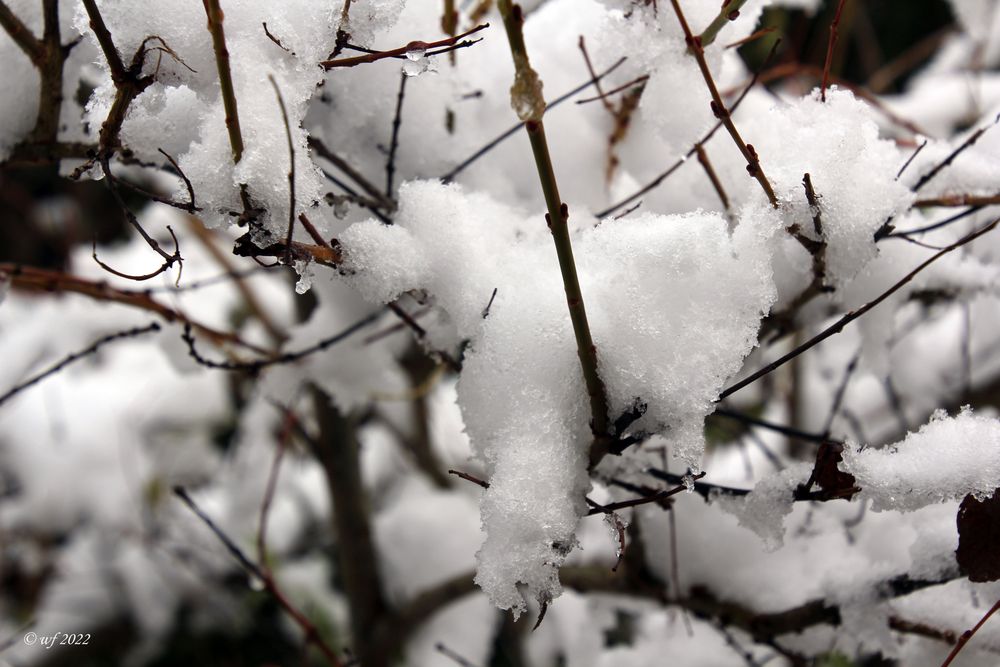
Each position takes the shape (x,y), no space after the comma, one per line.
(947,459)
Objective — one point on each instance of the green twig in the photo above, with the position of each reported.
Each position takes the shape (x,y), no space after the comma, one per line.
(526,97)
(729,12)
(215,17)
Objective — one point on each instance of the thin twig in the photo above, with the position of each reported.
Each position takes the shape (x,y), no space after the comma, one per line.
(287,428)
(617,89)
(721,112)
(706,164)
(390,164)
(967,635)
(444,46)
(493,143)
(965,145)
(656,497)
(21,34)
(839,325)
(291,170)
(829,49)
(311,632)
(286,358)
(76,356)
(324,152)
(31,278)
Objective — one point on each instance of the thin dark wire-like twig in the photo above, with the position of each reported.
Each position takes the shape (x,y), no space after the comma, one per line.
(390,164)
(76,356)
(464,164)
(288,357)
(839,325)
(291,170)
(312,634)
(965,145)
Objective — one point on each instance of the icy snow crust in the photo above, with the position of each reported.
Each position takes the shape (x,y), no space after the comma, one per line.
(676,287)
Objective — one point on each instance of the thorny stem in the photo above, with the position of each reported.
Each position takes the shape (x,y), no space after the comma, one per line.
(215,17)
(730,12)
(839,325)
(720,110)
(557,218)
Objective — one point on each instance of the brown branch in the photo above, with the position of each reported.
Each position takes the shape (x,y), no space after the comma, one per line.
(659,179)
(446,45)
(829,49)
(958,200)
(839,325)
(324,152)
(720,110)
(43,280)
(338,453)
(967,635)
(118,71)
(706,164)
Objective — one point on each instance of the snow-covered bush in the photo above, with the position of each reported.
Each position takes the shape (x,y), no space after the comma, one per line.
(705,368)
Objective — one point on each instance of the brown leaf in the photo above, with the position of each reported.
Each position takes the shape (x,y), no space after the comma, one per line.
(978,552)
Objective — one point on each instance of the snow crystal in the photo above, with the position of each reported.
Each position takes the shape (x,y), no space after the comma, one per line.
(679,288)
(948,458)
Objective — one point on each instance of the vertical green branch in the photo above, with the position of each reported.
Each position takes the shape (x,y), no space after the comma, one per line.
(528,102)
(730,12)
(215,17)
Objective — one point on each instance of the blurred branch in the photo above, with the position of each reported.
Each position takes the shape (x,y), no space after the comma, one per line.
(43,280)
(337,451)
(312,635)
(76,356)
